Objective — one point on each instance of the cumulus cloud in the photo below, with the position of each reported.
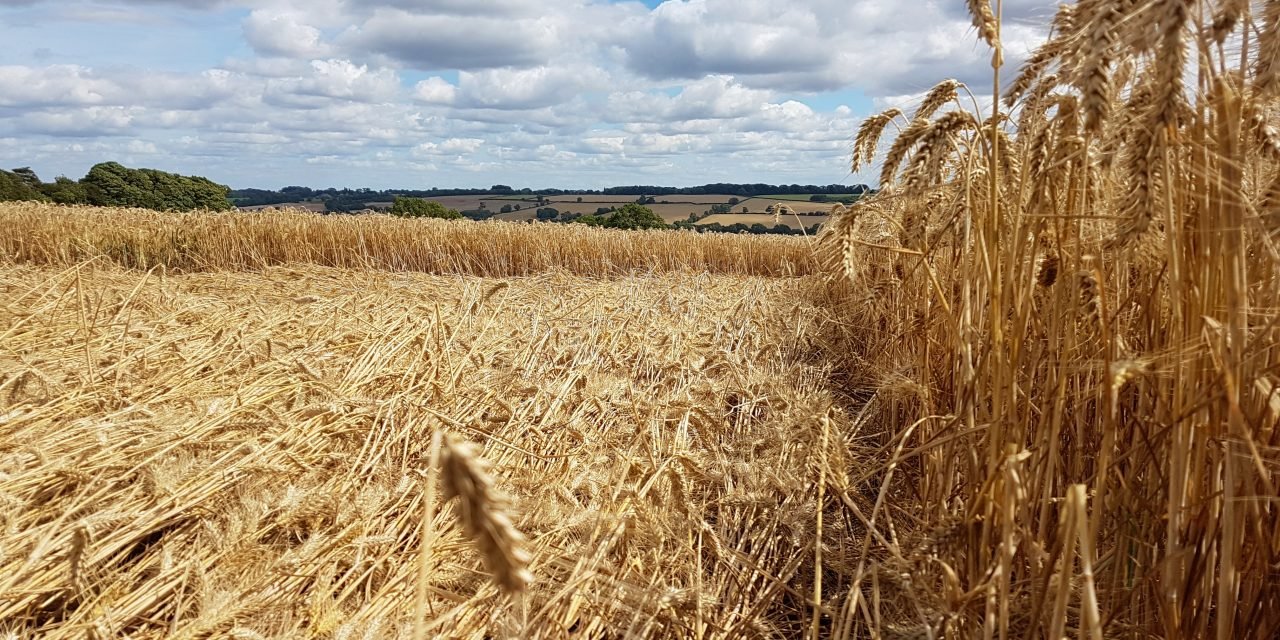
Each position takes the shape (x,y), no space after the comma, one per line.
(712,97)
(339,79)
(75,85)
(465,42)
(590,92)
(284,34)
(452,146)
(435,90)
(818,45)
(527,88)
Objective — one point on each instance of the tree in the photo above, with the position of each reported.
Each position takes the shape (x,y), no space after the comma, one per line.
(579,198)
(634,216)
(111,184)
(733,201)
(746,209)
(547,213)
(419,208)
(17,186)
(28,176)
(64,190)
(506,208)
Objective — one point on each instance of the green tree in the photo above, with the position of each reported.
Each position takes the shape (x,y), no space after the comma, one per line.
(419,208)
(15,185)
(64,190)
(506,208)
(634,216)
(113,185)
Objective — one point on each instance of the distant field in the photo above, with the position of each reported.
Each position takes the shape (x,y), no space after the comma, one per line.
(762,218)
(811,213)
(669,212)
(805,196)
(461,203)
(758,205)
(623,199)
(466,203)
(309,206)
(523,215)
(678,207)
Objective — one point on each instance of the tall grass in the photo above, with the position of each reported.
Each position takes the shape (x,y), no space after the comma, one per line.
(53,235)
(1064,315)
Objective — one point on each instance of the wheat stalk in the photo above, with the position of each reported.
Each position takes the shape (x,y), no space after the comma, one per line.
(485,514)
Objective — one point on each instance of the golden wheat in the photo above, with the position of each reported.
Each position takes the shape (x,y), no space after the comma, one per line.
(240,453)
(52,235)
(1108,448)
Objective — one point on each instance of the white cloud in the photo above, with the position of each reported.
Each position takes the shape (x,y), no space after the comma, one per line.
(543,86)
(815,45)
(284,34)
(588,92)
(335,79)
(452,146)
(466,42)
(435,90)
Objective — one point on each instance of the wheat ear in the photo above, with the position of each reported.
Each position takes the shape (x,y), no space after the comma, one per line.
(940,94)
(864,145)
(484,514)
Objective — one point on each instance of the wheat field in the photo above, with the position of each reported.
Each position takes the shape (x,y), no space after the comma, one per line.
(245,454)
(1029,389)
(135,238)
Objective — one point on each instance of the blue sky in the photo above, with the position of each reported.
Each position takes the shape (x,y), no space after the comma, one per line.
(416,93)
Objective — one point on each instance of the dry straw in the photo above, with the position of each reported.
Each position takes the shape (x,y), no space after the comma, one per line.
(236,463)
(1109,447)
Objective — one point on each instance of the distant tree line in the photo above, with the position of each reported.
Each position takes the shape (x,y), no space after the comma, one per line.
(348,200)
(111,184)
